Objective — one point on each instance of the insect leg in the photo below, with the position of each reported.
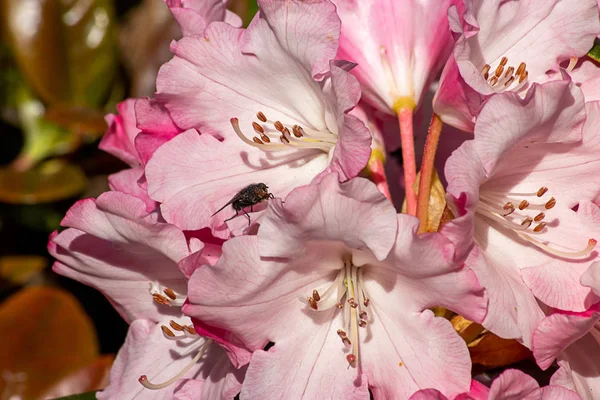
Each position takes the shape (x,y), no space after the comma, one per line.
(247,216)
(236,214)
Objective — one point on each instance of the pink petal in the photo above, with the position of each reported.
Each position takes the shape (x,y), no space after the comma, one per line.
(147,352)
(591,278)
(352,151)
(116,247)
(513,384)
(414,36)
(127,181)
(554,392)
(182,173)
(193,16)
(558,331)
(579,369)
(156,125)
(428,394)
(541,34)
(354,211)
(121,133)
(587,76)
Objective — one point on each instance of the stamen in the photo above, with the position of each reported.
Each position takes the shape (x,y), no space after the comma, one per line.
(523,76)
(509,72)
(167,331)
(499,71)
(190,329)
(523,205)
(542,191)
(261,116)
(265,139)
(160,299)
(539,227)
(521,68)
(297,131)
(312,303)
(258,128)
(550,203)
(485,71)
(316,295)
(279,126)
(257,140)
(494,80)
(527,222)
(284,139)
(539,217)
(147,384)
(503,61)
(170,293)
(509,81)
(175,326)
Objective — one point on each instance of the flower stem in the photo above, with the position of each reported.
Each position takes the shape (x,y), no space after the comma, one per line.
(427,169)
(405,121)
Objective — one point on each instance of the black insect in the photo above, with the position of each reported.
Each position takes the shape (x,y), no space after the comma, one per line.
(247,197)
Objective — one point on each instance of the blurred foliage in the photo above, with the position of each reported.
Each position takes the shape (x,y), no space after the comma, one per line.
(44,336)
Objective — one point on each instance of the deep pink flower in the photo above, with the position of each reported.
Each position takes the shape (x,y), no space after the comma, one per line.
(513,189)
(342,286)
(508,46)
(113,245)
(399,45)
(271,107)
(512,384)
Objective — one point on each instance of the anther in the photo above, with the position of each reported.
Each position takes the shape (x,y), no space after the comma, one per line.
(340,305)
(257,140)
(366,302)
(170,293)
(189,329)
(499,70)
(265,138)
(494,80)
(523,205)
(509,208)
(542,191)
(167,331)
(527,222)
(485,71)
(261,116)
(509,81)
(509,72)
(550,203)
(503,61)
(352,302)
(284,139)
(539,217)
(362,323)
(279,126)
(362,315)
(539,227)
(258,128)
(312,303)
(351,358)
(341,333)
(297,131)
(316,295)
(523,76)
(521,68)
(176,326)
(160,299)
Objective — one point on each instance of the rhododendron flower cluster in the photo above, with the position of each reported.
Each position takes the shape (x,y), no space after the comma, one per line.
(253,245)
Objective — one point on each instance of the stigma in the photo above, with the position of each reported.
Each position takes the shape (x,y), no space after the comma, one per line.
(348,294)
(526,214)
(505,77)
(272,135)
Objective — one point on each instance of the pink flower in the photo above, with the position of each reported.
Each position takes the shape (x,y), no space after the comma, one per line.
(121,133)
(194,15)
(113,245)
(513,189)
(342,286)
(399,45)
(512,384)
(508,46)
(275,79)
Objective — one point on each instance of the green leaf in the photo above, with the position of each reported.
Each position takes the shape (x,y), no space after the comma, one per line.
(595,51)
(66,50)
(80,396)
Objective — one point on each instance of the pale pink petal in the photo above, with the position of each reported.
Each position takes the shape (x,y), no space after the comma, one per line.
(352,151)
(579,368)
(591,278)
(513,384)
(122,130)
(558,331)
(128,181)
(587,76)
(116,247)
(539,33)
(554,392)
(183,172)
(399,46)
(354,211)
(147,352)
(194,15)
(428,394)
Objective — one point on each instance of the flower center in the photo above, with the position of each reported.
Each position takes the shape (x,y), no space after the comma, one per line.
(184,335)
(504,77)
(346,288)
(275,136)
(521,211)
